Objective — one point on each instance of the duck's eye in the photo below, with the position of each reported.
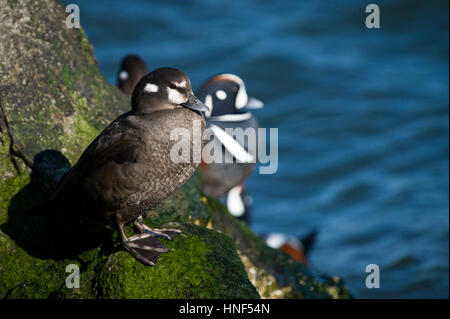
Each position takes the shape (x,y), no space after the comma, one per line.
(172,86)
(235,89)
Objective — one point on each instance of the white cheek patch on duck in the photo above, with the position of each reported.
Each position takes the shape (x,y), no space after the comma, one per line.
(151,88)
(209,103)
(175,96)
(221,95)
(181,84)
(242,97)
(123,75)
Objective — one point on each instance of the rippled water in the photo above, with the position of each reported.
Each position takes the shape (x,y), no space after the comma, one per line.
(362,117)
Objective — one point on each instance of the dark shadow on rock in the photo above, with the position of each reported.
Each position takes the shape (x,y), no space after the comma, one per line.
(60,233)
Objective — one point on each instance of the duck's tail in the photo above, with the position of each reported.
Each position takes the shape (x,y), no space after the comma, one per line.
(308,241)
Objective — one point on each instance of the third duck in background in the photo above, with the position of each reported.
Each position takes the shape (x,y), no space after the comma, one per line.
(132,69)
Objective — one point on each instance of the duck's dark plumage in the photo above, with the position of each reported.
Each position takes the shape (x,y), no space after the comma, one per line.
(128,169)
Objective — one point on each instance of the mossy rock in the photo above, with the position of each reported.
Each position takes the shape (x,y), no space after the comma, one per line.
(52,93)
(53,103)
(201,263)
(210,269)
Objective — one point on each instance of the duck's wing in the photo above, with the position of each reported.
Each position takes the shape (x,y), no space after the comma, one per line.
(105,167)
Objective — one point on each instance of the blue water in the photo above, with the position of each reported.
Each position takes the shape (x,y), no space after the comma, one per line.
(363,118)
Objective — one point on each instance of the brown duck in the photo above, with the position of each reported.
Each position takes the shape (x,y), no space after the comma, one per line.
(128,168)
(132,69)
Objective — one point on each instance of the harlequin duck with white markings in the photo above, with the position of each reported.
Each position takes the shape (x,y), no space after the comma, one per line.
(226,95)
(297,248)
(128,168)
(132,69)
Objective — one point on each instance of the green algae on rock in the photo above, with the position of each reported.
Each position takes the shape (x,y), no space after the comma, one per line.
(210,269)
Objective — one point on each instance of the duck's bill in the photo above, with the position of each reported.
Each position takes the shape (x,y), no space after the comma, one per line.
(254,103)
(195,104)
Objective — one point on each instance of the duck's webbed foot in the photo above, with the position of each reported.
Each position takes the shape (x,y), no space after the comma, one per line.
(145,247)
(166,233)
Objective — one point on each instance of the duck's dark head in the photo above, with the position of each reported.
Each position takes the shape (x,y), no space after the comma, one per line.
(132,69)
(226,94)
(163,89)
